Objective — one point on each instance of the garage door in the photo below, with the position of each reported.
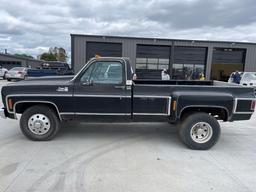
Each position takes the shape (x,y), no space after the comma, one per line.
(225,61)
(189,62)
(151,60)
(103,49)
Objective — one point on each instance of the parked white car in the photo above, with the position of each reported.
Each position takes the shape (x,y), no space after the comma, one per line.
(247,78)
(16,73)
(3,72)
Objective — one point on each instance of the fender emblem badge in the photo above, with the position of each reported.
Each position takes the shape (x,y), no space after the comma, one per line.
(62,89)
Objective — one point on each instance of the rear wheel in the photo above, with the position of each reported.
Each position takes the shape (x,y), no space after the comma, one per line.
(199,131)
(39,123)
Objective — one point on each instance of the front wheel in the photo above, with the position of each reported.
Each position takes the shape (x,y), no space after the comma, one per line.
(39,123)
(199,131)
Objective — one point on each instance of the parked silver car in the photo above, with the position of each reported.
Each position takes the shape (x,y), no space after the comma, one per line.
(16,73)
(3,72)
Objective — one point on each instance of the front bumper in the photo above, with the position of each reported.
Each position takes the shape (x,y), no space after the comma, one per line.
(2,113)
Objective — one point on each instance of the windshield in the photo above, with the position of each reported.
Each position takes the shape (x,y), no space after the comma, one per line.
(250,76)
(17,69)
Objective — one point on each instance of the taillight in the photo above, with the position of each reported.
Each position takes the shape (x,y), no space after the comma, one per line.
(19,72)
(253,105)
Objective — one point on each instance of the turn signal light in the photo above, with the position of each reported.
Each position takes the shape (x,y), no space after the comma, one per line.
(174,105)
(10,104)
(253,105)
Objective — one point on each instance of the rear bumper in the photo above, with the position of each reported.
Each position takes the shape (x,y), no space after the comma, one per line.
(2,114)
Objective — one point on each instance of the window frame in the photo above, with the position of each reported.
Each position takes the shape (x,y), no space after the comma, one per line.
(79,79)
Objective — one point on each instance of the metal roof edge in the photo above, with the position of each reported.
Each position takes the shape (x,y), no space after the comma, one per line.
(163,39)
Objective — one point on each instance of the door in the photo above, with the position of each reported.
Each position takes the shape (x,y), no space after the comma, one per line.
(101,90)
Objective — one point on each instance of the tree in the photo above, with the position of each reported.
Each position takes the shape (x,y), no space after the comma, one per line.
(24,55)
(48,57)
(59,53)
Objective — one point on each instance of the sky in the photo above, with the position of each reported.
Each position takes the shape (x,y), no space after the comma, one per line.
(32,26)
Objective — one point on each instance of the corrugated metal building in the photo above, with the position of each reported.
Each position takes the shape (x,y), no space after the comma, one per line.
(184,59)
(9,61)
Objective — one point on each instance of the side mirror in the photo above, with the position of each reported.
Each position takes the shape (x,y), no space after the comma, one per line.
(88,82)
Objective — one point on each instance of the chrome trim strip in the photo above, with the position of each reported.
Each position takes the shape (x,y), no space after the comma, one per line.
(209,86)
(48,102)
(153,114)
(44,95)
(102,114)
(67,113)
(169,106)
(123,96)
(70,113)
(151,96)
(99,59)
(241,113)
(112,96)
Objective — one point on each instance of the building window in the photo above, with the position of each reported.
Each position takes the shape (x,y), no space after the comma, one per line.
(152,63)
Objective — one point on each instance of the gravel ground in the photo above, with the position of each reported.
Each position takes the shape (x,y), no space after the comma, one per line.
(126,157)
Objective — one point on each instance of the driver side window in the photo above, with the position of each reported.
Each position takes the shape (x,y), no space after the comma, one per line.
(104,73)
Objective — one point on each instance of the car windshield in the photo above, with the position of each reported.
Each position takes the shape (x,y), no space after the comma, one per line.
(17,69)
(250,76)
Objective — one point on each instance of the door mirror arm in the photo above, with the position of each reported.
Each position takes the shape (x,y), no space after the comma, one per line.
(88,83)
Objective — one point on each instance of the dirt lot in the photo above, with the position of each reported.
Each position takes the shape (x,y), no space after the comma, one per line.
(126,157)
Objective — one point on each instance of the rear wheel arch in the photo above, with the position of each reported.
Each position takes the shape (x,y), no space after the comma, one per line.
(222,112)
(21,106)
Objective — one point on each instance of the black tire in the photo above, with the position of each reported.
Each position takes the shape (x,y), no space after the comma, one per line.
(189,127)
(44,111)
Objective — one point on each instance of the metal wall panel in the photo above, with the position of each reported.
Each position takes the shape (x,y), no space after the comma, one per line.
(190,55)
(250,59)
(153,51)
(104,49)
(130,43)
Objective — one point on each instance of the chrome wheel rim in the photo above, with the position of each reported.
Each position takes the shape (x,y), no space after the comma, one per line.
(201,132)
(39,124)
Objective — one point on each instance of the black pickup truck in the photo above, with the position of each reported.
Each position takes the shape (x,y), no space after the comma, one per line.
(104,91)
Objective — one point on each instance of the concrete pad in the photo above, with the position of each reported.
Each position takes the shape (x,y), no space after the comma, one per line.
(126,157)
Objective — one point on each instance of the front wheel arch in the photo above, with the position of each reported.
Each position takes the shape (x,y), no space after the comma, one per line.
(22,106)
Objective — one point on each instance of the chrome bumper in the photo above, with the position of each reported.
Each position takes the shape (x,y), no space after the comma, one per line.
(2,114)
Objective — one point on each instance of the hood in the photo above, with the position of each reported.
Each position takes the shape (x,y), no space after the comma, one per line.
(51,80)
(42,85)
